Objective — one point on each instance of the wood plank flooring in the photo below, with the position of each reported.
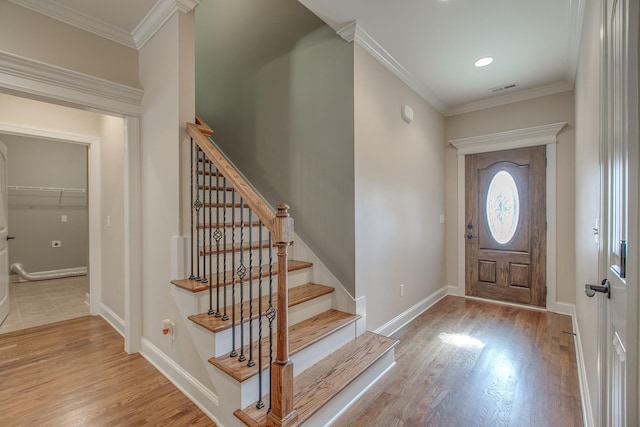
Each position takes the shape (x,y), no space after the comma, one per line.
(471,363)
(75,373)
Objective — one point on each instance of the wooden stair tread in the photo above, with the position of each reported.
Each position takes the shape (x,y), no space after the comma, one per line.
(316,386)
(236,248)
(214,188)
(197,286)
(301,335)
(297,295)
(230,224)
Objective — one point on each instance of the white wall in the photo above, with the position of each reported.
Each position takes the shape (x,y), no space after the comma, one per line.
(166,84)
(399,193)
(587,199)
(538,111)
(112,215)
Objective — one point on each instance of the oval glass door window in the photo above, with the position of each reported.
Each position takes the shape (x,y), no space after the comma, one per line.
(503,207)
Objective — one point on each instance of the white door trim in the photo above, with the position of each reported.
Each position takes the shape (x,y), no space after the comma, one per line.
(36,80)
(520,138)
(95,237)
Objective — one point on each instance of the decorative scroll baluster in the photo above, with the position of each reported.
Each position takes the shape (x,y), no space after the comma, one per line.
(271,316)
(251,361)
(225,316)
(197,205)
(204,279)
(210,226)
(217,235)
(242,271)
(260,403)
(191,275)
(233,353)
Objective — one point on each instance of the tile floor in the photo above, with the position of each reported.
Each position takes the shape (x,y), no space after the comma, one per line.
(45,301)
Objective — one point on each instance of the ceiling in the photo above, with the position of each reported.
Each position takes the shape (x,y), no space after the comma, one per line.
(430,44)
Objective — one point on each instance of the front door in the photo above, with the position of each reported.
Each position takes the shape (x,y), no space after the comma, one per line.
(4,247)
(506,225)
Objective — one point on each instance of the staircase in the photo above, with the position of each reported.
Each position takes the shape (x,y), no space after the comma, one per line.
(277,350)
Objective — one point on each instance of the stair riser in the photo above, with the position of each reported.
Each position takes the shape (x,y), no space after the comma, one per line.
(238,258)
(347,397)
(301,361)
(295,278)
(230,232)
(240,213)
(297,313)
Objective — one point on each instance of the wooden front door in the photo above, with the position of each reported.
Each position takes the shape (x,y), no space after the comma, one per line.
(506,225)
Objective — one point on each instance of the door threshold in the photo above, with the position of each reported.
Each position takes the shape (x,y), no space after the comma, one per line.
(511,304)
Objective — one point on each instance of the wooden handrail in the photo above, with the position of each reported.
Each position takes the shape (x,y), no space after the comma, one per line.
(280,225)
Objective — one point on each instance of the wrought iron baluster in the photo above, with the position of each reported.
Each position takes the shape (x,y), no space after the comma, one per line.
(271,315)
(191,275)
(203,228)
(233,353)
(251,361)
(225,316)
(197,206)
(260,403)
(217,235)
(242,271)
(210,226)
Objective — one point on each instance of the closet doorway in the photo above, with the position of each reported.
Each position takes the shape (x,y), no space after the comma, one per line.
(48,221)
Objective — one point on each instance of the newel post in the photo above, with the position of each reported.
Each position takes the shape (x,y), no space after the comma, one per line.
(282,413)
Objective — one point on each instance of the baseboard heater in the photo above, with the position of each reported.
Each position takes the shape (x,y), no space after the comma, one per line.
(18,268)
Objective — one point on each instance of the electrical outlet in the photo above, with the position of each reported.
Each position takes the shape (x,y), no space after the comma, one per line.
(401,290)
(56,243)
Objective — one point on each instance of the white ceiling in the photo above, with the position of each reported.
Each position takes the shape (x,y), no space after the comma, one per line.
(430,44)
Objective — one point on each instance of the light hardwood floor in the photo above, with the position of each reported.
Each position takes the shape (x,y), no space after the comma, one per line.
(471,363)
(75,373)
(461,363)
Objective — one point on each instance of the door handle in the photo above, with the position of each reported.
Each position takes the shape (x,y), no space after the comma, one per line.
(604,287)
(10,238)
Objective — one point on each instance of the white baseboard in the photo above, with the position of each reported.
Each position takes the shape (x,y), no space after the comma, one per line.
(565,308)
(587,408)
(195,391)
(112,318)
(403,318)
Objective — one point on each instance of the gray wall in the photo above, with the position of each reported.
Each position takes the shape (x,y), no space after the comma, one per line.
(276,85)
(35,216)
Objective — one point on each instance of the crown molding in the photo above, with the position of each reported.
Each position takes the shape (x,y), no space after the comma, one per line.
(519,138)
(353,32)
(150,24)
(158,16)
(510,98)
(45,81)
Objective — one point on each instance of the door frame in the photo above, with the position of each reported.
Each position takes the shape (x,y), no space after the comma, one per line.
(36,80)
(519,138)
(93,203)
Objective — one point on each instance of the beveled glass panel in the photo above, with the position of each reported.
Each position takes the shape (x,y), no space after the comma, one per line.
(503,207)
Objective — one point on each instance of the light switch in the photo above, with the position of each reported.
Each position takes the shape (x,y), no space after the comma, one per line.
(63,218)
(108,221)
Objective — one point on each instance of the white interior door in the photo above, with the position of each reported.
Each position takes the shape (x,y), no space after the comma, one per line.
(4,247)
(620,211)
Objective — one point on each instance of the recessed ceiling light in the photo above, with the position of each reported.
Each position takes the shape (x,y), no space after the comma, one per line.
(483,62)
